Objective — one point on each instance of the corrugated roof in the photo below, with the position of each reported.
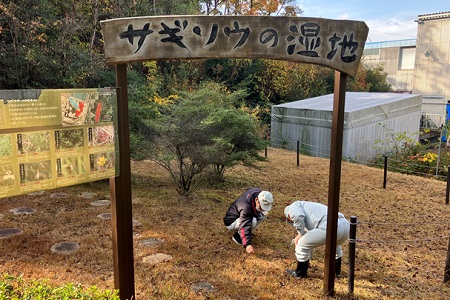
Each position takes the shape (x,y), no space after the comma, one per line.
(354,101)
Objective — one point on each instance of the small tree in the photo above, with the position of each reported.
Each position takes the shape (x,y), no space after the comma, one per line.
(201,129)
(176,142)
(235,139)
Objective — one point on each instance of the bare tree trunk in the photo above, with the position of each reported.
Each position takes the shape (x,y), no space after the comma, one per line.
(94,30)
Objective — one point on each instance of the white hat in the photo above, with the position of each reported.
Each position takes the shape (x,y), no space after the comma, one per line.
(265,199)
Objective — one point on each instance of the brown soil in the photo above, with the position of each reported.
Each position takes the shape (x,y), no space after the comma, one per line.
(403,235)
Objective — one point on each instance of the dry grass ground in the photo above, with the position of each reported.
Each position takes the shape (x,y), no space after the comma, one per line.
(410,216)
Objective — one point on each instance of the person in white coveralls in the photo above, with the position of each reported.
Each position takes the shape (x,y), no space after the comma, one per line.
(310,221)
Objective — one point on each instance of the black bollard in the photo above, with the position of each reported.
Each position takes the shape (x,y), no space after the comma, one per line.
(351,254)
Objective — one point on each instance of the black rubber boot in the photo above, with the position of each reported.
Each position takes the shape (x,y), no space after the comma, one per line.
(337,267)
(301,271)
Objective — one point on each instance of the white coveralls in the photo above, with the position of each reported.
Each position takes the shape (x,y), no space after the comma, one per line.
(310,220)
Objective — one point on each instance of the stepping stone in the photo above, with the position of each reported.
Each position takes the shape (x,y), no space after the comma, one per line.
(59,195)
(8,232)
(151,242)
(101,203)
(156,258)
(203,286)
(36,193)
(23,211)
(65,248)
(106,216)
(87,195)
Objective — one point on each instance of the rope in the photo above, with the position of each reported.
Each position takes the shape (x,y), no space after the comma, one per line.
(397,241)
(390,242)
(324,152)
(402,224)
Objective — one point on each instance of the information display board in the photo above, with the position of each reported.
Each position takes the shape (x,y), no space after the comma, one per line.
(55,138)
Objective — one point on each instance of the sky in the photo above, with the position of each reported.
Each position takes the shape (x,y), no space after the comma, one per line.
(388,20)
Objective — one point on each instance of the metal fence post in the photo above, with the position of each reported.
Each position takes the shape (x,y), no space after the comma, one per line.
(448,185)
(298,153)
(439,152)
(385,171)
(351,254)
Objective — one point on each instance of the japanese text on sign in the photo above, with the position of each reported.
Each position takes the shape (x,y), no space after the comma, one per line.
(333,43)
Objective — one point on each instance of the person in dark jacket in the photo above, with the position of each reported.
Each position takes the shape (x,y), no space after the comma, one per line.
(246,213)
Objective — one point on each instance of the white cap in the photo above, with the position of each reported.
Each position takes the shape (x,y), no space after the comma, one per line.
(265,199)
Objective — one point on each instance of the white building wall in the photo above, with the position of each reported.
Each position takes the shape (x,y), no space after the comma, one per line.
(433,111)
(314,140)
(432,65)
(312,127)
(387,55)
(360,143)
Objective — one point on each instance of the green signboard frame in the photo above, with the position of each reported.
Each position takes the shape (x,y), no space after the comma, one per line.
(56,138)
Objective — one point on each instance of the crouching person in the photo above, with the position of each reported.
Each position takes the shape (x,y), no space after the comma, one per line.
(310,221)
(246,213)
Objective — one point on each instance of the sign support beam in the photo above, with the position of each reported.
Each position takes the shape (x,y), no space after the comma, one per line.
(337,134)
(120,190)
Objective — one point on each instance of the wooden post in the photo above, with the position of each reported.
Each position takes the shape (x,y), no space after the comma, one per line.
(447,265)
(298,153)
(352,254)
(337,133)
(265,148)
(120,189)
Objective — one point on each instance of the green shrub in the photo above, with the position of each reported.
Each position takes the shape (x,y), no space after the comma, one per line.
(407,155)
(15,288)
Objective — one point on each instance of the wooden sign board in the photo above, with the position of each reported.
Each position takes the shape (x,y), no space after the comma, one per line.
(337,44)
